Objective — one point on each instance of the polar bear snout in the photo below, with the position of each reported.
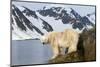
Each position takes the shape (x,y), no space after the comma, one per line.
(43,43)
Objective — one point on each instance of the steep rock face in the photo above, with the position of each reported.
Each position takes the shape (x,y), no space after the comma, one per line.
(88,41)
(34,23)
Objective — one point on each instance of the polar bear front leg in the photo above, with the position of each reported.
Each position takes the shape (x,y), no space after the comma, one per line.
(72,49)
(55,52)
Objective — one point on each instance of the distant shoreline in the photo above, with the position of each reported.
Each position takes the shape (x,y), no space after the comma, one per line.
(26,39)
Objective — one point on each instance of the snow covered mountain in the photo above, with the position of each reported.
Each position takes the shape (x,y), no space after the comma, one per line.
(31,24)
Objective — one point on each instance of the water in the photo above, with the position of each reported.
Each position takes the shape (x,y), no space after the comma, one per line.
(30,52)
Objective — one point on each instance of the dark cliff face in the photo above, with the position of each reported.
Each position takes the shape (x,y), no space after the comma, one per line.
(88,43)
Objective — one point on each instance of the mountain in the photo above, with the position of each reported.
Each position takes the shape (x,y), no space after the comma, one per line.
(31,24)
(59,13)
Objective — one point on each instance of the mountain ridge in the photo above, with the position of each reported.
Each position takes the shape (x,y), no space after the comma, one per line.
(36,23)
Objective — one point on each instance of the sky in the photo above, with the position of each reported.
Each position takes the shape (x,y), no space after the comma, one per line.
(82,10)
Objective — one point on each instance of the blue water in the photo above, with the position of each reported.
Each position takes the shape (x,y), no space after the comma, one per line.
(30,52)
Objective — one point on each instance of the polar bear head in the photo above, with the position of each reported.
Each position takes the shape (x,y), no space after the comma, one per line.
(44,39)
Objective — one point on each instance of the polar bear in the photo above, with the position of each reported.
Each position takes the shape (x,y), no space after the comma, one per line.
(59,40)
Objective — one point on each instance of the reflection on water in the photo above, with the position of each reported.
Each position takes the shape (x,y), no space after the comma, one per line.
(30,52)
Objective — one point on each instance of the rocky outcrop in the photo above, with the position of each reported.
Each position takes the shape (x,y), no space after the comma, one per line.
(86,49)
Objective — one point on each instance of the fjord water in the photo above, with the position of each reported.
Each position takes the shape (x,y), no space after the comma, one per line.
(25,52)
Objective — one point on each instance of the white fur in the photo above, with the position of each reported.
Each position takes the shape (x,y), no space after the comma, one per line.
(58,40)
